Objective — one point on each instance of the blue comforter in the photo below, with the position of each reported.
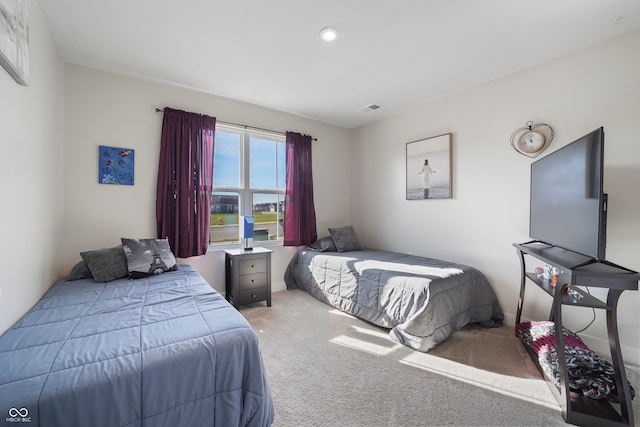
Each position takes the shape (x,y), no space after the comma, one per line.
(166,350)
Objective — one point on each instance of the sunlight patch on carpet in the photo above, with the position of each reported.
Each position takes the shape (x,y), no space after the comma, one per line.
(373,332)
(366,346)
(363,341)
(526,389)
(341,313)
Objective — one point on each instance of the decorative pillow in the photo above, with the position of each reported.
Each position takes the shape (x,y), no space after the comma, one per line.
(345,239)
(80,271)
(146,257)
(106,264)
(324,244)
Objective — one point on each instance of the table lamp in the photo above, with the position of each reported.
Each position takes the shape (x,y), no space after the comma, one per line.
(246,232)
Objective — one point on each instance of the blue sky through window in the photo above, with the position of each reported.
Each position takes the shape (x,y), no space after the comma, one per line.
(226,160)
(263,163)
(267,164)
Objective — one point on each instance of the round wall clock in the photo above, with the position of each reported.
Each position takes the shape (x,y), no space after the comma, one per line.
(531,142)
(532,139)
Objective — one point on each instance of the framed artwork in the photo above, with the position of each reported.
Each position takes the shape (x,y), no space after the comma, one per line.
(115,165)
(14,39)
(429,168)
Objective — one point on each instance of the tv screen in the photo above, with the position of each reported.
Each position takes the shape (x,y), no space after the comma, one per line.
(568,206)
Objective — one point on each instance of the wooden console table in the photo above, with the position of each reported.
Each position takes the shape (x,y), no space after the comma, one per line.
(581,270)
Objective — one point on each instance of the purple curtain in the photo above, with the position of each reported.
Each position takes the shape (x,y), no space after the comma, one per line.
(299,210)
(183,196)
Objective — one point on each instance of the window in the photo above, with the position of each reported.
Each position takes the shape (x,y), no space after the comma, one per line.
(249,171)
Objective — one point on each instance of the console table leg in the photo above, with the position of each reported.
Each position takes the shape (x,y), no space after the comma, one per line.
(622,384)
(523,278)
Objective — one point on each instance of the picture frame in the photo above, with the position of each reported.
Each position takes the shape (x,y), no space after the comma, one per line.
(428,168)
(116,165)
(14,39)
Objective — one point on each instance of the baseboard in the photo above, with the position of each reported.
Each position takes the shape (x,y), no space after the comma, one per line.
(278,286)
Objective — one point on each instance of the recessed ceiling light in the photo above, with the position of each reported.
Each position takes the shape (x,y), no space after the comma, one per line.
(328,34)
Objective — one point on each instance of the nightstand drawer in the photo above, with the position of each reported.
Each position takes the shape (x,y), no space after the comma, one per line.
(250,281)
(250,296)
(251,266)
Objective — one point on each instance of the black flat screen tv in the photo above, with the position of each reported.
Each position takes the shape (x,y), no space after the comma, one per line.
(568,206)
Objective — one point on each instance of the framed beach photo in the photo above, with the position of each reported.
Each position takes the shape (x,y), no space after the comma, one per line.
(429,168)
(115,165)
(14,39)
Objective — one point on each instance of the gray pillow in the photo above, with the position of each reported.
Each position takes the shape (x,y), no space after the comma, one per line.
(325,244)
(106,264)
(146,257)
(80,271)
(345,239)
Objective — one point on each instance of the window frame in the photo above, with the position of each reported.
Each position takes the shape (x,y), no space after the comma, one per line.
(244,191)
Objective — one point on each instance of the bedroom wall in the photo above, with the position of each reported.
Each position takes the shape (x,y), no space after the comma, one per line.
(489,210)
(31,173)
(107,109)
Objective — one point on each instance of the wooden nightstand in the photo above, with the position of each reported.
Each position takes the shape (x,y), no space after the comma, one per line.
(248,276)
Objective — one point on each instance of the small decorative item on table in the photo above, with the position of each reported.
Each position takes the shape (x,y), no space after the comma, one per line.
(555,273)
(246,232)
(544,273)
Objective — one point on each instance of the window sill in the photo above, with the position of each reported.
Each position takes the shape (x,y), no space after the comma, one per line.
(266,244)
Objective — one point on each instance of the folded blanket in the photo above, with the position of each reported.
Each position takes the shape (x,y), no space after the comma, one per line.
(589,374)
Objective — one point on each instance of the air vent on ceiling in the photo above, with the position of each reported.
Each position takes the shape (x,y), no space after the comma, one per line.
(371,107)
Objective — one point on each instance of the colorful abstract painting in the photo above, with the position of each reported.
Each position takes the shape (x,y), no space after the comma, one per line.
(115,165)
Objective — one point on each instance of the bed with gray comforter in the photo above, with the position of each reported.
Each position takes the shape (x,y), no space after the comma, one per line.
(166,350)
(421,300)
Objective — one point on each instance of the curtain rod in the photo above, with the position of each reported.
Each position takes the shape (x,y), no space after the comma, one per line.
(160,110)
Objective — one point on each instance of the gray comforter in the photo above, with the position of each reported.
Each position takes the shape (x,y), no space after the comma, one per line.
(422,300)
(167,350)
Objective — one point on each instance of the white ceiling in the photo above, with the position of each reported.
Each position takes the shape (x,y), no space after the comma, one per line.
(394,53)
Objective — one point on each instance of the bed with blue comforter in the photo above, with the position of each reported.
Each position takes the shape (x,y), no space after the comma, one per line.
(166,350)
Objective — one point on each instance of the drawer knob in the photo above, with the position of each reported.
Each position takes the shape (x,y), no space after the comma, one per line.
(253,295)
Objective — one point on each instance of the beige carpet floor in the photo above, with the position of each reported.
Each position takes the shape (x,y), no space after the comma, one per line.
(327,368)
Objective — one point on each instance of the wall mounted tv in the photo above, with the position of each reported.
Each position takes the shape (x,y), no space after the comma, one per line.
(568,206)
